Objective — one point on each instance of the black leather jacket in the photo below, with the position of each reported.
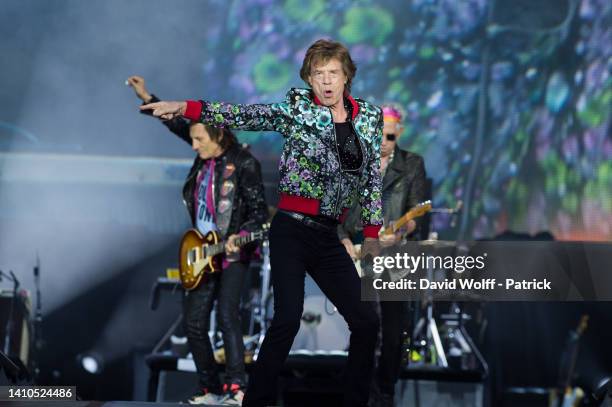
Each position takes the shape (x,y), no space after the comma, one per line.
(403,186)
(246,199)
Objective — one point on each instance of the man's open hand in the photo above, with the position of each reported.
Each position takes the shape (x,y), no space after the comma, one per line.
(138,84)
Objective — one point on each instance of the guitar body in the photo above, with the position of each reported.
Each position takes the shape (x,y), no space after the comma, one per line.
(200,255)
(194,264)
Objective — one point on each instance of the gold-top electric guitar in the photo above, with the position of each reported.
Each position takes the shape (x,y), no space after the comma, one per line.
(200,255)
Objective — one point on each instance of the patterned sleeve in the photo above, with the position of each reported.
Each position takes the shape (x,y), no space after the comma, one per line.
(370,198)
(255,117)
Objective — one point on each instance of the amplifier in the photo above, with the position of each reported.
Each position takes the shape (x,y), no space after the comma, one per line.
(19,336)
(176,386)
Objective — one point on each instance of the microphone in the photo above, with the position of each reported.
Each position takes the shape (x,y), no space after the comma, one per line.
(37,266)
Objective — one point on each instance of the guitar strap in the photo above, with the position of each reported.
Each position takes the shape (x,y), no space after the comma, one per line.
(226,195)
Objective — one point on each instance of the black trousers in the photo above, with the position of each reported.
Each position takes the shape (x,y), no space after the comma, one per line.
(394,318)
(226,287)
(294,250)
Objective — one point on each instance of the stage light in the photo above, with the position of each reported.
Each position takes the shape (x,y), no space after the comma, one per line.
(603,389)
(91,362)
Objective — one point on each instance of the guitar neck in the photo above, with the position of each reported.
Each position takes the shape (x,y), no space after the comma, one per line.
(242,240)
(419,210)
(219,248)
(402,221)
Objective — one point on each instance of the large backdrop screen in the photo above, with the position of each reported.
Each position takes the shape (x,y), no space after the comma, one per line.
(507,100)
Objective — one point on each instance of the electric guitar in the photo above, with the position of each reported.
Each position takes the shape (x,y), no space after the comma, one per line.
(200,255)
(419,210)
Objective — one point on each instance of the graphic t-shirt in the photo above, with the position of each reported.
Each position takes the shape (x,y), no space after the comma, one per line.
(205,208)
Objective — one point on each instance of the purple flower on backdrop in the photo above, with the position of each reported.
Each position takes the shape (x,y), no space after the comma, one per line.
(363,53)
(570,148)
(501,70)
(246,30)
(597,74)
(243,83)
(589,138)
(279,45)
(607,149)
(587,9)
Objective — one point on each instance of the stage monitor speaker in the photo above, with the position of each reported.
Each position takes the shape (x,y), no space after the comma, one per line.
(176,386)
(422,393)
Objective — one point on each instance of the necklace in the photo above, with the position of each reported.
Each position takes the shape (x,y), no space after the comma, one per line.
(389,161)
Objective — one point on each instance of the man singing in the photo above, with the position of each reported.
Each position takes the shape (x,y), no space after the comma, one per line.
(330,160)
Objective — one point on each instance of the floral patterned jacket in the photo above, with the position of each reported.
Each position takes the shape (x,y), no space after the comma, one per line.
(311,180)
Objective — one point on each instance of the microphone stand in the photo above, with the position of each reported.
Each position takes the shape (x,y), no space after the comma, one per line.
(37,324)
(453,212)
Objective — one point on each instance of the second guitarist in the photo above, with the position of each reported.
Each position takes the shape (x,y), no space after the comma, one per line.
(403,174)
(223,192)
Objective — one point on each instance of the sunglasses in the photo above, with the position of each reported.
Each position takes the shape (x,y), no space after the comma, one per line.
(391,137)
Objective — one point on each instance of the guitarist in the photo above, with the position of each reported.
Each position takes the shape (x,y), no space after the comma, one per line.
(403,174)
(223,192)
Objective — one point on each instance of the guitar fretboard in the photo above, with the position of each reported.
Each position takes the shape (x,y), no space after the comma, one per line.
(219,248)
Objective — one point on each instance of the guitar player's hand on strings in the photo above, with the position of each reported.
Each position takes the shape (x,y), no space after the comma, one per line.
(230,245)
(387,240)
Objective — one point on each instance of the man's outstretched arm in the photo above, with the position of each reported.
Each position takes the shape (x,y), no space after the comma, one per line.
(178,126)
(254,117)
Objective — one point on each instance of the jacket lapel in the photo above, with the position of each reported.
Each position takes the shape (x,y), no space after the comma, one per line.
(395,170)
